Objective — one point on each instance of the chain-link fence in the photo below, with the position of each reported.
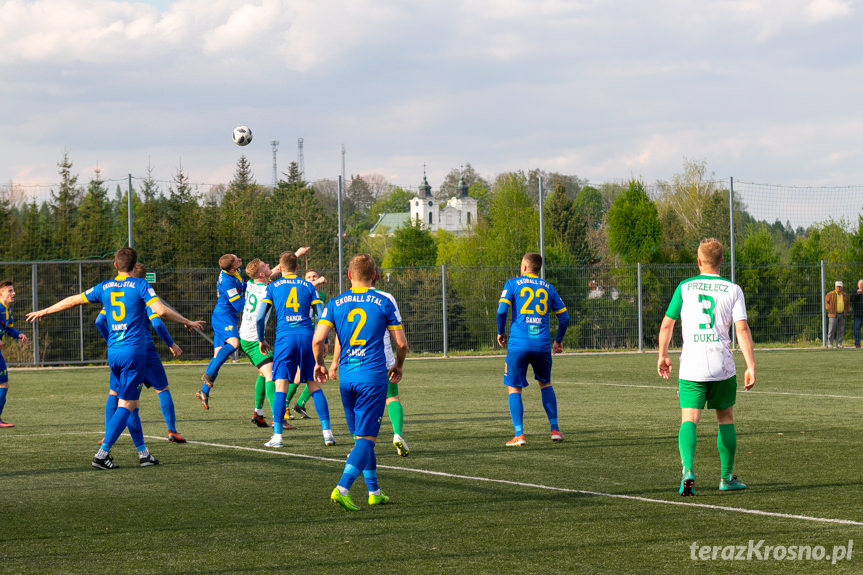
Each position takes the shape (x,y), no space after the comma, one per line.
(446,310)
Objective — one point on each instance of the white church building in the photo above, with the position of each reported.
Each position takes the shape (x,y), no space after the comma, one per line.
(455,215)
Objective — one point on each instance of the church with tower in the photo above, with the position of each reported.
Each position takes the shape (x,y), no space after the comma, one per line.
(455,215)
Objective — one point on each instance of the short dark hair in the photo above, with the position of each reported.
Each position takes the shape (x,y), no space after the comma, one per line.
(288,262)
(139,271)
(362,267)
(533,261)
(126,258)
(5,283)
(226,262)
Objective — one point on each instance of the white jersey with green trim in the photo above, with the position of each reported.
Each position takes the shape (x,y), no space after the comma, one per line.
(255,293)
(707,306)
(388,346)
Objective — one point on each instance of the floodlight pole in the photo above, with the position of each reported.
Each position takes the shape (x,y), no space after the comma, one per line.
(541,232)
(129,213)
(341,258)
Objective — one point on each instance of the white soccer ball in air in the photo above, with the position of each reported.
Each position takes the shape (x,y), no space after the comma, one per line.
(242,135)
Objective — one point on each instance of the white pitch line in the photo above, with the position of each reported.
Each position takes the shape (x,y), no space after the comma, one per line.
(544,487)
(753,392)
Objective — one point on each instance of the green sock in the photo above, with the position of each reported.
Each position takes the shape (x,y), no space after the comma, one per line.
(304,397)
(686,443)
(726,441)
(292,389)
(397,416)
(260,392)
(270,387)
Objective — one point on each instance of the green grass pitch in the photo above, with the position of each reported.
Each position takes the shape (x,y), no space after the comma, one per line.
(462,502)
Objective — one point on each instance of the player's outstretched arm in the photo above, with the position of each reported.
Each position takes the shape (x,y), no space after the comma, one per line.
(169,314)
(334,364)
(747,347)
(319,348)
(663,364)
(62,305)
(400,342)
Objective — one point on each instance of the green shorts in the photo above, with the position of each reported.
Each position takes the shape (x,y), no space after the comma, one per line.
(392,390)
(253,352)
(717,394)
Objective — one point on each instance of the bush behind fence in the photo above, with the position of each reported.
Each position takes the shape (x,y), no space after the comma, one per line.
(445,309)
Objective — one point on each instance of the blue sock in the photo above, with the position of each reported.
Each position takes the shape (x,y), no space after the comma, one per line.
(136,430)
(217,362)
(549,402)
(166,402)
(357,461)
(280,403)
(3,392)
(110,408)
(323,408)
(516,412)
(115,427)
(370,473)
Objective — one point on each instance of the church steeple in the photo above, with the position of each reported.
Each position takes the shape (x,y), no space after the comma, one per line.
(425,188)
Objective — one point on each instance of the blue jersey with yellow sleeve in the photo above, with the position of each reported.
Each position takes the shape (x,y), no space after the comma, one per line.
(7,322)
(361,318)
(531,300)
(125,300)
(230,288)
(292,299)
(155,320)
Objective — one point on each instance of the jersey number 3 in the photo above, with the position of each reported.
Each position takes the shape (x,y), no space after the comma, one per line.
(708,310)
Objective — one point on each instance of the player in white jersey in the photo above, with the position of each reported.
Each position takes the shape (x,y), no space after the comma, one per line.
(707,305)
(394,405)
(262,359)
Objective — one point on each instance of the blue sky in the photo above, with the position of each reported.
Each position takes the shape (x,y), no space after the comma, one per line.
(764,91)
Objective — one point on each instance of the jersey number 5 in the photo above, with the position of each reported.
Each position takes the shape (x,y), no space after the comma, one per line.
(118,309)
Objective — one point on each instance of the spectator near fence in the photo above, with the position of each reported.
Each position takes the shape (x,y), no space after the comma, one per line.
(857,312)
(838,304)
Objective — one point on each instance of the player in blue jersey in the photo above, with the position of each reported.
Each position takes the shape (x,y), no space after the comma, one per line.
(361,318)
(226,322)
(531,300)
(156,377)
(7,327)
(125,300)
(292,299)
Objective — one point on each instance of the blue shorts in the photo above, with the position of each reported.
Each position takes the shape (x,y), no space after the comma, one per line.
(364,405)
(4,372)
(224,329)
(291,352)
(128,372)
(155,376)
(515,370)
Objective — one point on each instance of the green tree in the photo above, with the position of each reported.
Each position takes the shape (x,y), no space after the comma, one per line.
(588,203)
(449,186)
(395,201)
(412,246)
(64,212)
(94,222)
(191,241)
(634,230)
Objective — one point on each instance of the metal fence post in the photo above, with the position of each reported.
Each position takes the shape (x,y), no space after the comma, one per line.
(80,313)
(640,315)
(541,232)
(443,298)
(34,279)
(823,307)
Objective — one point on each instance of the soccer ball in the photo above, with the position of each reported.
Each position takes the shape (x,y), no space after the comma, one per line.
(242,135)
